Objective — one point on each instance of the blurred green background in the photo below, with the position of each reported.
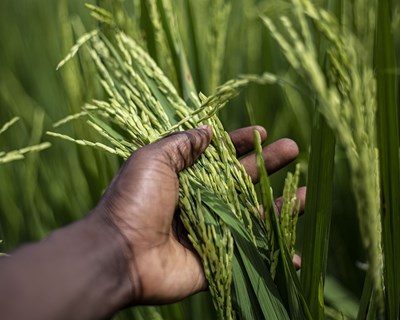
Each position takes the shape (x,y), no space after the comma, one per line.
(59,185)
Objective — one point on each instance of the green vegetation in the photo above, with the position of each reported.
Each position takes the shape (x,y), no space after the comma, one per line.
(18,154)
(321,72)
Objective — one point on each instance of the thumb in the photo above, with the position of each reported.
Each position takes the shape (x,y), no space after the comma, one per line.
(183,148)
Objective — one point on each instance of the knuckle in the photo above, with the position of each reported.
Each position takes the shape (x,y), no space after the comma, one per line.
(183,149)
(178,150)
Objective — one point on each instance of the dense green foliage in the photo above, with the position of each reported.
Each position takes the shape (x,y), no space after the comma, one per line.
(322,66)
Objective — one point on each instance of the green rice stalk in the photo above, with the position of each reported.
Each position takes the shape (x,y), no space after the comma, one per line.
(76,47)
(192,13)
(8,124)
(163,55)
(347,100)
(388,142)
(217,33)
(318,218)
(101,14)
(290,209)
(20,153)
(185,80)
(365,305)
(281,261)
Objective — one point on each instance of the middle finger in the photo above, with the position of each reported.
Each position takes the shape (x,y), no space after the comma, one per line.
(276,155)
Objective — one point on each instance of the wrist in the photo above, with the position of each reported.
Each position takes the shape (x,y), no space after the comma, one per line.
(82,272)
(109,254)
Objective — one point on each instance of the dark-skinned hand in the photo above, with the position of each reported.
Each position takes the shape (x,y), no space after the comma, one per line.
(126,250)
(142,199)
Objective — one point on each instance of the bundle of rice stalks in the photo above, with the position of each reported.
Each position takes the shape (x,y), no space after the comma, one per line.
(242,251)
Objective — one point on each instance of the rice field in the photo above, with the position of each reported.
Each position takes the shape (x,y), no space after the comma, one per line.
(323,73)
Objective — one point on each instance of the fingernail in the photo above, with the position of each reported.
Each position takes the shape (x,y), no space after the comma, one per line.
(206,127)
(261,130)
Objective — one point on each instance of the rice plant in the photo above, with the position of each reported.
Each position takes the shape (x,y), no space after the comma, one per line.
(325,74)
(345,89)
(220,212)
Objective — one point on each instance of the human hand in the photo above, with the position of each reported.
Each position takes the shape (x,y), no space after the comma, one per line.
(140,205)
